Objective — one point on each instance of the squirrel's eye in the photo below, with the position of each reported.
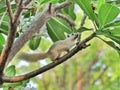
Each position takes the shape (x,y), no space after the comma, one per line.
(68,35)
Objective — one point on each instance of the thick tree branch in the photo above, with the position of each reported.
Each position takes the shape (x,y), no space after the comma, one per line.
(10,38)
(35,27)
(79,47)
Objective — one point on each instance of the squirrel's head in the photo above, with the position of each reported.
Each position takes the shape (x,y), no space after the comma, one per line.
(72,36)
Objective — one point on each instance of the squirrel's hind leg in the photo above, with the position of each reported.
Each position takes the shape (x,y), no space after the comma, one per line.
(54,55)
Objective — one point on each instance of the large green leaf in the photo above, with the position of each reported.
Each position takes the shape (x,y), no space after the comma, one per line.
(114,32)
(2,6)
(107,13)
(69,12)
(56,28)
(115,23)
(111,44)
(4,18)
(1,47)
(4,28)
(2,40)
(86,7)
(100,3)
(115,38)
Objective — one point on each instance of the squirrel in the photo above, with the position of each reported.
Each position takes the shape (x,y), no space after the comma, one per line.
(54,51)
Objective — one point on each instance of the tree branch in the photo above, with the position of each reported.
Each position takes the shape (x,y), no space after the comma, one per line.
(10,39)
(51,65)
(83,20)
(35,27)
(9,10)
(27,2)
(11,34)
(18,12)
(69,21)
(64,4)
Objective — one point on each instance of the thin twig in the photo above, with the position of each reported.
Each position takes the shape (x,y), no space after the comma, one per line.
(18,12)
(83,20)
(81,25)
(50,8)
(9,10)
(27,2)
(69,21)
(51,65)
(64,4)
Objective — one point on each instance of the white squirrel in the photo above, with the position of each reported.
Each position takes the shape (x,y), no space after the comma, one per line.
(54,51)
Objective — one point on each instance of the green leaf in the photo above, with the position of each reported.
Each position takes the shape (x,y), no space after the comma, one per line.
(100,2)
(4,28)
(10,71)
(56,28)
(69,12)
(3,7)
(113,34)
(24,83)
(113,24)
(114,31)
(6,85)
(2,40)
(107,13)
(1,47)
(115,38)
(34,42)
(86,7)
(111,44)
(82,29)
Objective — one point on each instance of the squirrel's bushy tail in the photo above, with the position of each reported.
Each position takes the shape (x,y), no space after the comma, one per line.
(32,57)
